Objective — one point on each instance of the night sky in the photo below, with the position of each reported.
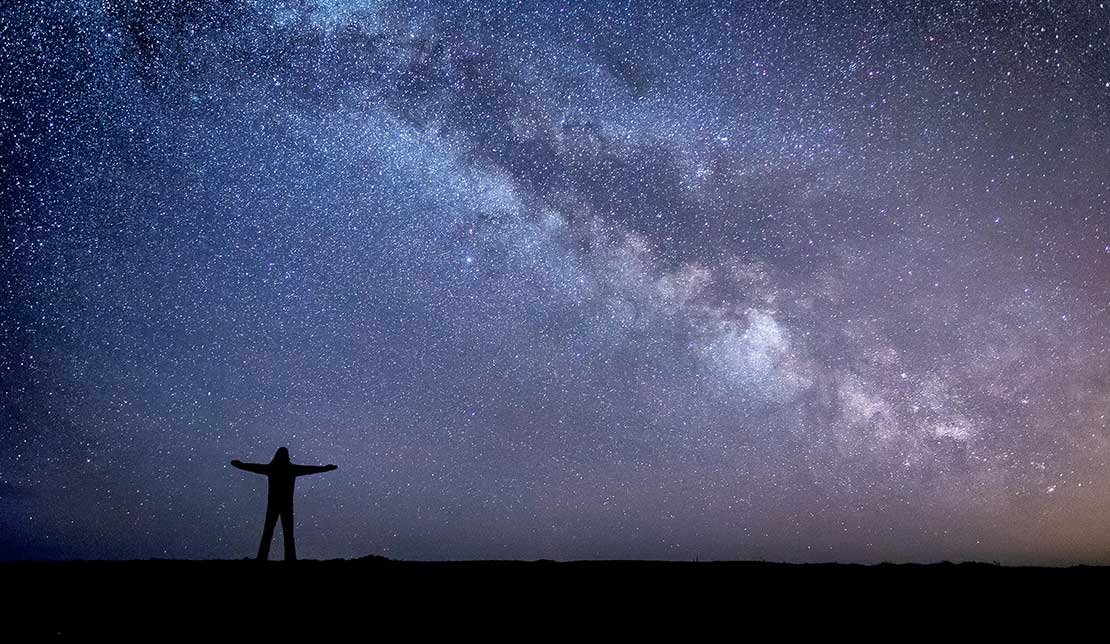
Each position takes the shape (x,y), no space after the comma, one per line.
(799,281)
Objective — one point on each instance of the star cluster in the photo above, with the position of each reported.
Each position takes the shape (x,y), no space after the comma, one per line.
(794,281)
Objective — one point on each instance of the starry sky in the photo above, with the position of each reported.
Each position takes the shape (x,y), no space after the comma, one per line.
(801,281)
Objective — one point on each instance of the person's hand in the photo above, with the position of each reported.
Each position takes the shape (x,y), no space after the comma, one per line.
(236,462)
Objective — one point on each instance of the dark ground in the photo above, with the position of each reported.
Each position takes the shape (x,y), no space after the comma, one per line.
(375,598)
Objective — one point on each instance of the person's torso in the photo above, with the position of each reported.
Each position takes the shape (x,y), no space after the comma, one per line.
(282,483)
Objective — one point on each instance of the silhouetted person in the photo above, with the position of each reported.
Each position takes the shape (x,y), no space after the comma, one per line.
(281,473)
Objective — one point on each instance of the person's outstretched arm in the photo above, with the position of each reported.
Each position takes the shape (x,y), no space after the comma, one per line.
(257,468)
(301,470)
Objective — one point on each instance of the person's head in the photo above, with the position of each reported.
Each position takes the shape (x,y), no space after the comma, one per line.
(281,456)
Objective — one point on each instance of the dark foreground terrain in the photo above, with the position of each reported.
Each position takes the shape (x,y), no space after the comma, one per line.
(375,598)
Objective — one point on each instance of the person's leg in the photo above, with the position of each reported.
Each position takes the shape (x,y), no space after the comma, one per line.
(267,533)
(287,532)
